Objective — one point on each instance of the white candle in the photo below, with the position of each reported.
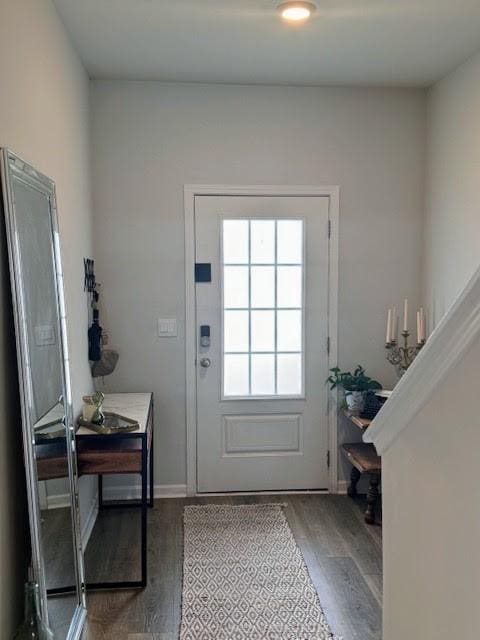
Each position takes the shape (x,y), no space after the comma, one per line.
(389,323)
(394,325)
(405,315)
(419,327)
(423,331)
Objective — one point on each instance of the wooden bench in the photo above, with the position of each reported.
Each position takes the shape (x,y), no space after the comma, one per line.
(364,459)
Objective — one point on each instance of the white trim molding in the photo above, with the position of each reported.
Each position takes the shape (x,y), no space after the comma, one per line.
(192,190)
(59,501)
(342,486)
(89,522)
(134,491)
(446,347)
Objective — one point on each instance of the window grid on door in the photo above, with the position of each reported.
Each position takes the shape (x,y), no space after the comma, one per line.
(263,307)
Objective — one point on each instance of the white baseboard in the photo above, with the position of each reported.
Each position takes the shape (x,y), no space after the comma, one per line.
(133,492)
(59,501)
(170,491)
(342,487)
(89,523)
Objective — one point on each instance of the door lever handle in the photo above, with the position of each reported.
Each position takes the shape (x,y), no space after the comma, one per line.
(205,362)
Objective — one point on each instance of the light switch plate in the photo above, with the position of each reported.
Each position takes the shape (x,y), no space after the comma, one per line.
(167,328)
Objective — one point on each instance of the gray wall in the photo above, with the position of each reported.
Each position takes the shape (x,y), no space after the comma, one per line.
(44,118)
(149,139)
(430,473)
(452,221)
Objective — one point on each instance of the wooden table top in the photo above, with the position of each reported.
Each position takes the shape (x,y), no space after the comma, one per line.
(131,405)
(363,456)
(361,423)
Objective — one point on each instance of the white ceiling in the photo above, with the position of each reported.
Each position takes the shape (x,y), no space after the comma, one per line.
(351,42)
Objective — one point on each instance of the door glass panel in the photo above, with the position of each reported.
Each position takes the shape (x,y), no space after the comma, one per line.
(263,308)
(289,373)
(263,241)
(236,374)
(263,374)
(290,241)
(263,331)
(235,331)
(263,287)
(235,287)
(289,330)
(235,241)
(289,287)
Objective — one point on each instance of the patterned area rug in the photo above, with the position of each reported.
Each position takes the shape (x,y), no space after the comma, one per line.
(245,577)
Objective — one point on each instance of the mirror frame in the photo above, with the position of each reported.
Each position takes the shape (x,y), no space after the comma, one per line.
(12,166)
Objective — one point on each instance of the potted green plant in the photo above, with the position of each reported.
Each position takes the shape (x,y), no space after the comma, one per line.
(355,385)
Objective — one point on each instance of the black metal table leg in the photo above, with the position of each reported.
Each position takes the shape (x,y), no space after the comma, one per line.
(61,591)
(151,474)
(146,501)
(100,491)
(144,509)
(135,504)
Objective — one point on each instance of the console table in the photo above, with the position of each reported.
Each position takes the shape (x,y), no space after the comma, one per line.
(364,459)
(118,454)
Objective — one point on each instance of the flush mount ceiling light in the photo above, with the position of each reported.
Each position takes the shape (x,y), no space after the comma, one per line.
(296,11)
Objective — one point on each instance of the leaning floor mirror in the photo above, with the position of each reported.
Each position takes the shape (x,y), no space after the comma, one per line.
(45,391)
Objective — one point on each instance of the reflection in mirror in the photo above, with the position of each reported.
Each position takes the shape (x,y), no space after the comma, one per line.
(56,522)
(34,238)
(44,378)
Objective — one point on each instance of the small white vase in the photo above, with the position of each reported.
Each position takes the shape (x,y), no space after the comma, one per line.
(355,401)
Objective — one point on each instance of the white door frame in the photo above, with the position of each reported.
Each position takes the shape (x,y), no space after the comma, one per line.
(192,190)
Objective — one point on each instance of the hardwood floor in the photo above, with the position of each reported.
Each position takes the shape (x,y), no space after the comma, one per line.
(342,553)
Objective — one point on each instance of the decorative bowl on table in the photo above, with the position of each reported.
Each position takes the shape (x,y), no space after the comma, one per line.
(113,423)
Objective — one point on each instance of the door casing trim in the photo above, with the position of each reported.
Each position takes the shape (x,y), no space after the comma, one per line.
(192,190)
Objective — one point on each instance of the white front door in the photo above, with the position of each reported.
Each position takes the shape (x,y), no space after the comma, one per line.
(262,421)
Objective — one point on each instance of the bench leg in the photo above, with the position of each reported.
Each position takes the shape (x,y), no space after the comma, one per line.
(372,497)
(354,478)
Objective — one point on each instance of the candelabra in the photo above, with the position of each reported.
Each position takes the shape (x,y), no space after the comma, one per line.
(402,356)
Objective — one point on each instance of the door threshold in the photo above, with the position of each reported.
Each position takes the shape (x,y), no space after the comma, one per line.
(262,493)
